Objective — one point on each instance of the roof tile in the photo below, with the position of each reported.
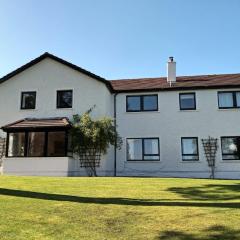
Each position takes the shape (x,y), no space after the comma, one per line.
(35,123)
(183,82)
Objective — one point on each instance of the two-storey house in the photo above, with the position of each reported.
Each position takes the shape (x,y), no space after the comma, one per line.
(162,120)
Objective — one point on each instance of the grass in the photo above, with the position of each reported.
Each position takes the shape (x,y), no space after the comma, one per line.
(119,208)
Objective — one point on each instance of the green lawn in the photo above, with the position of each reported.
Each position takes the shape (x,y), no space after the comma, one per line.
(118,208)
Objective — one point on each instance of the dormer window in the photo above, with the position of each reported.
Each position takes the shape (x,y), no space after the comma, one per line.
(28,100)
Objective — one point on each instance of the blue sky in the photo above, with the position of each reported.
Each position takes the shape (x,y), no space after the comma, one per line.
(123,38)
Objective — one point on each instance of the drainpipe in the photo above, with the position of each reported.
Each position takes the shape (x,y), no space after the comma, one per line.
(115,125)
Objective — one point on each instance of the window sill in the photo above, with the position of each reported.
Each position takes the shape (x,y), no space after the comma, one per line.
(64,108)
(230,161)
(191,161)
(140,112)
(229,109)
(192,110)
(25,110)
(143,161)
(36,157)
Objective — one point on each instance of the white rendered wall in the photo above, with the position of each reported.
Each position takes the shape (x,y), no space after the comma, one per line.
(59,166)
(47,166)
(170,124)
(46,78)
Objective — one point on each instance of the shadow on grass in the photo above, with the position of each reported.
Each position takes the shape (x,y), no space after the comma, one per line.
(212,233)
(209,192)
(117,201)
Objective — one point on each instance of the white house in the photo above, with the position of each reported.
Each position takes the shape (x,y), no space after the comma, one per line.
(162,120)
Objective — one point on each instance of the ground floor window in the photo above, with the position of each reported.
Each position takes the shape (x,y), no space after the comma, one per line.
(189,148)
(16,144)
(37,144)
(56,144)
(143,149)
(230,148)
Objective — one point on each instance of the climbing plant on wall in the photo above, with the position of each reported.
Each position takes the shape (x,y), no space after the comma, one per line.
(91,139)
(210,146)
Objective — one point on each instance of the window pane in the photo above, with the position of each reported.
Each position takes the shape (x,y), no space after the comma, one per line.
(133,104)
(238,98)
(189,146)
(229,145)
(64,99)
(16,144)
(225,100)
(70,146)
(56,144)
(189,157)
(36,142)
(230,157)
(146,157)
(28,100)
(150,103)
(187,101)
(150,146)
(134,149)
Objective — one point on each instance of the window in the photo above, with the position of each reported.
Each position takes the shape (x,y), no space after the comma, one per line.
(230,148)
(142,103)
(150,103)
(143,149)
(64,99)
(228,100)
(28,100)
(56,144)
(133,104)
(37,144)
(16,144)
(69,145)
(134,149)
(151,149)
(189,148)
(187,101)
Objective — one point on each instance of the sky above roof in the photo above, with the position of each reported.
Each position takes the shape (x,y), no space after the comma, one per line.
(121,38)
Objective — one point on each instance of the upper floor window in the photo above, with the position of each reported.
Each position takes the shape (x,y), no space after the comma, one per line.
(143,149)
(28,100)
(230,148)
(64,98)
(136,103)
(187,101)
(189,148)
(228,100)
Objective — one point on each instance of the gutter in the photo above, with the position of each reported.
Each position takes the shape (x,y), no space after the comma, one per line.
(115,125)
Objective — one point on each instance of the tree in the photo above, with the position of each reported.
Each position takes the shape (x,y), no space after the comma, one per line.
(92,138)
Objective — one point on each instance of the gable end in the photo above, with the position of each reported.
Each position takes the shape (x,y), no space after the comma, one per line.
(60,60)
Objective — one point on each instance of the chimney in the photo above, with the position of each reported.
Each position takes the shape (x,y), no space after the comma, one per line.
(171,71)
